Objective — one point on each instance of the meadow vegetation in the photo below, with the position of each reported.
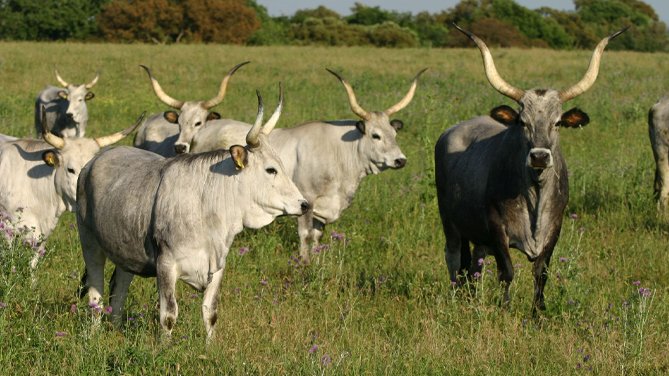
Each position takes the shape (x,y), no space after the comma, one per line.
(376,299)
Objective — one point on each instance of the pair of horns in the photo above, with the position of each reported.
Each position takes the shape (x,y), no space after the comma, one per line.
(514,93)
(355,107)
(59,142)
(88,85)
(252,138)
(175,103)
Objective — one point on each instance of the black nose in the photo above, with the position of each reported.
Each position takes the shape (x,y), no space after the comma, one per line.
(180,148)
(400,162)
(304,205)
(539,158)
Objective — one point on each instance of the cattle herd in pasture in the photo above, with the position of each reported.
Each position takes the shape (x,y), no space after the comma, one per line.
(170,206)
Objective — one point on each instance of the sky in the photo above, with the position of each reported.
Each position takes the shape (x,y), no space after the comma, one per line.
(288,7)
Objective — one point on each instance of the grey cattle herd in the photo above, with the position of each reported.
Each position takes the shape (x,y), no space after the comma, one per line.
(170,206)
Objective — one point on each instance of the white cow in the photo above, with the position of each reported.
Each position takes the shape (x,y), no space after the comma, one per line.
(160,133)
(39,179)
(176,218)
(326,160)
(65,108)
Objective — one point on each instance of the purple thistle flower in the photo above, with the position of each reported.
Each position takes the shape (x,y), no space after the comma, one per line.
(61,334)
(645,292)
(244,250)
(481,261)
(337,235)
(563,259)
(313,349)
(636,283)
(573,216)
(108,310)
(263,281)
(73,308)
(95,307)
(3,305)
(326,360)
(586,357)
(477,275)
(319,248)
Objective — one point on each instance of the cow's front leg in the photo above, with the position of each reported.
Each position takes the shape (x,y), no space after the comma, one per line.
(501,253)
(304,224)
(210,304)
(166,277)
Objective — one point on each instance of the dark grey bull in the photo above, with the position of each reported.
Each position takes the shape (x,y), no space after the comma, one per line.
(176,218)
(64,108)
(502,181)
(658,130)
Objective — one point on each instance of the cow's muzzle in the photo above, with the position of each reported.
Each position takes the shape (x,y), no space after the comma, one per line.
(305,206)
(539,158)
(180,148)
(400,162)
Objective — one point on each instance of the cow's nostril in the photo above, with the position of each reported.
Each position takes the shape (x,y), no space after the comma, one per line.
(180,149)
(304,205)
(400,162)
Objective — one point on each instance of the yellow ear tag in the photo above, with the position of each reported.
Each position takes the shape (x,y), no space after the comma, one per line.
(239,164)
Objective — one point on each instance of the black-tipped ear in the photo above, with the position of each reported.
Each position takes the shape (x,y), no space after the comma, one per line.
(239,156)
(213,116)
(171,117)
(574,118)
(504,114)
(62,94)
(50,157)
(90,95)
(361,126)
(397,124)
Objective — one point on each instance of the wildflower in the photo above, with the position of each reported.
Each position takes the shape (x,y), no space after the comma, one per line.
(313,349)
(320,247)
(326,360)
(586,357)
(563,259)
(454,284)
(108,310)
(645,292)
(477,275)
(480,261)
(244,250)
(573,216)
(263,281)
(636,283)
(3,305)
(61,334)
(337,235)
(73,308)
(95,307)
(382,279)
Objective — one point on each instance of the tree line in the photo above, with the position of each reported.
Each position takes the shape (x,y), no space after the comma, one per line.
(499,22)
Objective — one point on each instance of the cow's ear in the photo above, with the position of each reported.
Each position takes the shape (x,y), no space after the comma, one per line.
(171,116)
(239,156)
(504,114)
(397,124)
(62,94)
(90,95)
(213,116)
(574,118)
(361,126)
(50,157)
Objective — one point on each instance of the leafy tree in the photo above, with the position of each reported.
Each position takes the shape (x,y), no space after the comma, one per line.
(364,15)
(157,21)
(390,34)
(328,31)
(272,31)
(219,21)
(320,12)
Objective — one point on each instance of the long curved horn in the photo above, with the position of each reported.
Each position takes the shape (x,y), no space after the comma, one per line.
(355,107)
(62,82)
(49,137)
(95,81)
(174,103)
(224,85)
(118,136)
(407,98)
(271,123)
(491,72)
(254,132)
(593,69)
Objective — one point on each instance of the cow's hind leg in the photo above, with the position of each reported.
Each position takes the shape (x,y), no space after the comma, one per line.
(210,303)
(662,183)
(118,290)
(166,278)
(93,279)
(452,253)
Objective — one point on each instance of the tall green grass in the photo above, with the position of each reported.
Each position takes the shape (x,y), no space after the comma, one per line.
(378,302)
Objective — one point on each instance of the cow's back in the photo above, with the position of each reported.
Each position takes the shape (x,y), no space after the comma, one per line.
(115,196)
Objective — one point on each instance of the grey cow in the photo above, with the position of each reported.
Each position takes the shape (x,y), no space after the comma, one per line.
(326,159)
(170,133)
(64,108)
(39,179)
(176,218)
(658,130)
(502,181)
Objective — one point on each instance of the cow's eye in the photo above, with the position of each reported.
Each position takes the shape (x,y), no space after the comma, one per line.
(271,171)
(71,170)
(198,123)
(376,136)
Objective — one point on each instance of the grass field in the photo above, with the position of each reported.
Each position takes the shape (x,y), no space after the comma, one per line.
(379,301)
